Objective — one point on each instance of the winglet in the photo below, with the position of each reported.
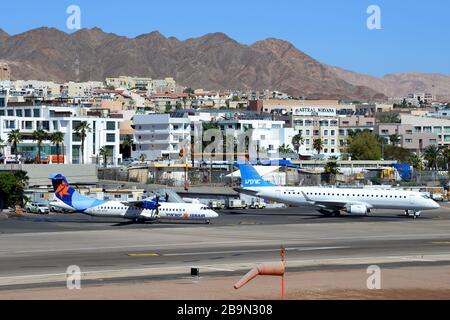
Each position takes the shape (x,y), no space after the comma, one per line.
(307,198)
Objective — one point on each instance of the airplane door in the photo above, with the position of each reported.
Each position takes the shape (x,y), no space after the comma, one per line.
(411,199)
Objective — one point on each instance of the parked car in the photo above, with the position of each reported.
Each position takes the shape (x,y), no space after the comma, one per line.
(40,208)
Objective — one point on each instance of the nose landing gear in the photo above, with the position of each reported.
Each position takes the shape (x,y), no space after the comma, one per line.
(412,213)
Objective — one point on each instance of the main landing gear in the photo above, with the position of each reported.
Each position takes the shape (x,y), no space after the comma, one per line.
(412,213)
(328,213)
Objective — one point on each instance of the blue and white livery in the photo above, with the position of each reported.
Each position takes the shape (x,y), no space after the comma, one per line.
(331,201)
(145,210)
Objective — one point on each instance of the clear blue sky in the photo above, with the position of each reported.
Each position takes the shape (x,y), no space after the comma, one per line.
(415,35)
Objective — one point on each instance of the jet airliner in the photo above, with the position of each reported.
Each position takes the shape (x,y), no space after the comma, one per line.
(140,211)
(331,201)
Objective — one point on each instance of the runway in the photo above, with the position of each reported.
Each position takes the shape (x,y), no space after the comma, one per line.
(36,250)
(78,222)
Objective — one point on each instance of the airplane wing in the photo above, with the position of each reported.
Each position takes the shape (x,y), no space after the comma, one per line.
(252,193)
(144,204)
(138,204)
(333,204)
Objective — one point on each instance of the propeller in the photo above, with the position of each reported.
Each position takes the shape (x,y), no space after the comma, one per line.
(157,205)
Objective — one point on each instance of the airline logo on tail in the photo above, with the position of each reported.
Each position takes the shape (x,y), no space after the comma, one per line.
(251,178)
(68,195)
(63,191)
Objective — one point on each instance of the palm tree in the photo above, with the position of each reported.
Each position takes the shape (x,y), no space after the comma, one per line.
(297,142)
(285,149)
(82,130)
(104,152)
(39,136)
(332,169)
(14,138)
(318,145)
(394,139)
(57,138)
(415,161)
(2,146)
(446,155)
(431,154)
(127,143)
(142,157)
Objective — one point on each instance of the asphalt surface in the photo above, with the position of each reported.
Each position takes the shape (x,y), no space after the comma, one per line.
(36,250)
(27,223)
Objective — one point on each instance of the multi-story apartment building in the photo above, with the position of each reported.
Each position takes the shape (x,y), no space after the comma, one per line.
(216,100)
(315,123)
(81,89)
(265,135)
(160,136)
(436,128)
(36,88)
(353,123)
(126,82)
(104,131)
(408,137)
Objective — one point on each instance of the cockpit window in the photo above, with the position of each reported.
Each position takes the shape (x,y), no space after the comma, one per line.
(426,196)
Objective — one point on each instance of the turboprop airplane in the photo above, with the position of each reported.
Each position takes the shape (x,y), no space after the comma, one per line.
(331,201)
(139,211)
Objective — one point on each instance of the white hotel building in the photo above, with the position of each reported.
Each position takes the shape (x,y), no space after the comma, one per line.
(159,136)
(317,123)
(266,135)
(162,136)
(27,118)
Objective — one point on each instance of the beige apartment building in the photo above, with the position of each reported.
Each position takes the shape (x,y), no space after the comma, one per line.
(410,137)
(424,126)
(348,124)
(5,72)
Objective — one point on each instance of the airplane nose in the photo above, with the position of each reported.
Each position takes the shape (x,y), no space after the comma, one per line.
(212,214)
(436,205)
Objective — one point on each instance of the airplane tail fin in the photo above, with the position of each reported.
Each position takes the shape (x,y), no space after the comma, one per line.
(251,178)
(63,191)
(67,194)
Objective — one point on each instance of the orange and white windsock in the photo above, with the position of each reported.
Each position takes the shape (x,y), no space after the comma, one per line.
(266,269)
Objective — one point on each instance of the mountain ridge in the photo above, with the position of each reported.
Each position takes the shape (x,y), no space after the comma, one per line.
(213,61)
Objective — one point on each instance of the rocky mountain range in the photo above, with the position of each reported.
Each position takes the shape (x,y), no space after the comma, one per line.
(400,84)
(213,61)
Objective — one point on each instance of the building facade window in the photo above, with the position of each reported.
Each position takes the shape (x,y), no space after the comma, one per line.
(110,137)
(437,129)
(76,137)
(110,125)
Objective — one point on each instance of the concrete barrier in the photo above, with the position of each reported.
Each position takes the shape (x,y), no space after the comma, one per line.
(38,173)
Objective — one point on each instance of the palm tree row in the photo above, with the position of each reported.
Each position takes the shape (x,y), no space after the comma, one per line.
(435,157)
(57,139)
(39,135)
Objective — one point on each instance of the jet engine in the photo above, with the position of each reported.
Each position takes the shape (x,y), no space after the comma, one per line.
(357,209)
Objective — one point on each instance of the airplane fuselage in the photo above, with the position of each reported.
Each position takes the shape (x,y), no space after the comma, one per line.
(172,211)
(371,198)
